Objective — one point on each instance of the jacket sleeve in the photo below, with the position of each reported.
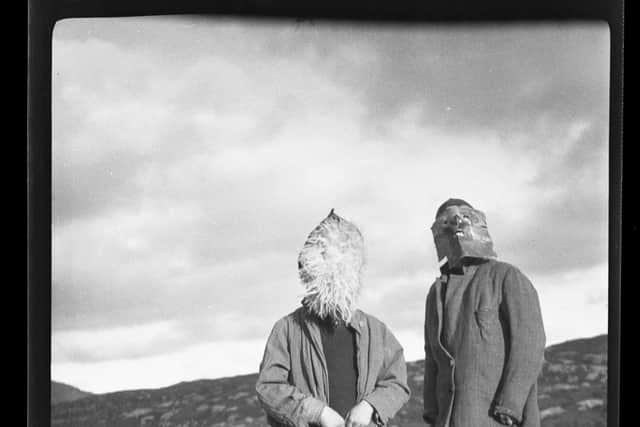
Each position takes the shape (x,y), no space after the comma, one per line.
(280,399)
(521,310)
(430,413)
(391,391)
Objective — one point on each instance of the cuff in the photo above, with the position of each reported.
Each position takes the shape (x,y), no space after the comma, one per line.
(375,417)
(380,417)
(429,418)
(377,420)
(312,409)
(500,409)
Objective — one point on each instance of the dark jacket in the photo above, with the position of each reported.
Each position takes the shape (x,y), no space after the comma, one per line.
(292,384)
(491,351)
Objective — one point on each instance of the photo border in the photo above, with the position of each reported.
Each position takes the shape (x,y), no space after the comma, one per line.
(43,14)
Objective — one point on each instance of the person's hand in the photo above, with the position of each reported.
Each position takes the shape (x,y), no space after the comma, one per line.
(330,418)
(504,419)
(360,415)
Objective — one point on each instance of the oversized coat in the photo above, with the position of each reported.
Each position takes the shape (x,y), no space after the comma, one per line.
(293,383)
(484,348)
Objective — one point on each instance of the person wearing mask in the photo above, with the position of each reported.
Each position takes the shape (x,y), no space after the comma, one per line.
(484,336)
(328,363)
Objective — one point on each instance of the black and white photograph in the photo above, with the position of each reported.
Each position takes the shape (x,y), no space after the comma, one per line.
(281,222)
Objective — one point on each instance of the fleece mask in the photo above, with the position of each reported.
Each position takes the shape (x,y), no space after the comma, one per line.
(330,266)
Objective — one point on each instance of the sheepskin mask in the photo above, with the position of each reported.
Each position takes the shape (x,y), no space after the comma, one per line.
(330,266)
(460,232)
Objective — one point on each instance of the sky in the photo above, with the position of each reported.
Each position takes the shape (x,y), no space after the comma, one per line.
(192,157)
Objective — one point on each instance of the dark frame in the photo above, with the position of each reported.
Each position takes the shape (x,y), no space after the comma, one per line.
(43,14)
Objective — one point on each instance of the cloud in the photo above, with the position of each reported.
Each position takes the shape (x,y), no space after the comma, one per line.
(192,158)
(573,304)
(474,78)
(78,357)
(145,115)
(209,360)
(129,342)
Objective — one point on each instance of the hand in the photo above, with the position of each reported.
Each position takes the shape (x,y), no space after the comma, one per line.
(504,419)
(360,415)
(330,418)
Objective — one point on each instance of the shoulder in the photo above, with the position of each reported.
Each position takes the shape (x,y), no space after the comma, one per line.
(289,321)
(372,322)
(511,277)
(501,268)
(370,319)
(432,288)
(377,328)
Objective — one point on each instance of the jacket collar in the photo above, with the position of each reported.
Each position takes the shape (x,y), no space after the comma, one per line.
(465,268)
(358,320)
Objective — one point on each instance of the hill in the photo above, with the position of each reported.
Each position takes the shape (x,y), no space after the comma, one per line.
(572,393)
(65,393)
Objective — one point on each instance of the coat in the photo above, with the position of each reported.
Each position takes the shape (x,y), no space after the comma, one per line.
(292,385)
(492,352)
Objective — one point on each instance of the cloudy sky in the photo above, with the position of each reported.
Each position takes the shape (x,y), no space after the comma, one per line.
(193,156)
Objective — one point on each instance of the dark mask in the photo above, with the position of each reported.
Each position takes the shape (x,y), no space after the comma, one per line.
(460,232)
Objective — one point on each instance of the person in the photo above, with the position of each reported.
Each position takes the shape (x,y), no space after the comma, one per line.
(484,336)
(328,363)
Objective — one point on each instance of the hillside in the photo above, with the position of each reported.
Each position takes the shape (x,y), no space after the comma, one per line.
(65,393)
(572,393)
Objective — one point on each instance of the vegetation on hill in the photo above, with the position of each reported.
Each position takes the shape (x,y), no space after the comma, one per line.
(65,393)
(572,393)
